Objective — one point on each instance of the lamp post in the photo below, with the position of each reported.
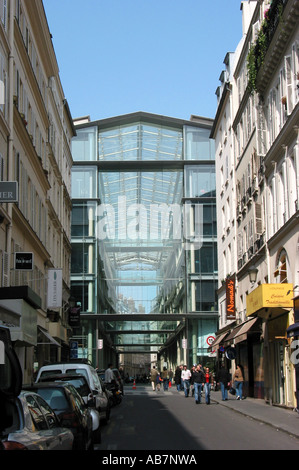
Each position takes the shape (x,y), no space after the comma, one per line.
(252,275)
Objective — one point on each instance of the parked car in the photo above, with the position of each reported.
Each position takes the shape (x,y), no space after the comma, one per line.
(70,408)
(81,385)
(81,368)
(108,393)
(27,422)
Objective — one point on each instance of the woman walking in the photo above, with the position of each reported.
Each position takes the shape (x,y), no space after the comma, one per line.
(238,380)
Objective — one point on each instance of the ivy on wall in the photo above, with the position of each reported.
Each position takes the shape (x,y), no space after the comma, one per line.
(258,50)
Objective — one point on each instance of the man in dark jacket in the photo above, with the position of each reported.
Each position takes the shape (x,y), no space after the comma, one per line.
(223,378)
(198,379)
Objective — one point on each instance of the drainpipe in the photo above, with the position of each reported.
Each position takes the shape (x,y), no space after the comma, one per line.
(285,185)
(297,167)
(10,158)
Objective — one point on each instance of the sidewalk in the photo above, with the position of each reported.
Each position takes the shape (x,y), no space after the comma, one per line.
(280,418)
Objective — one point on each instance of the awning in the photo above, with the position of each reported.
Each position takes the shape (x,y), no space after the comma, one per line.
(48,337)
(232,334)
(242,333)
(218,341)
(293,330)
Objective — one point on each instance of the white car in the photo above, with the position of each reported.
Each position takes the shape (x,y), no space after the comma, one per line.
(27,422)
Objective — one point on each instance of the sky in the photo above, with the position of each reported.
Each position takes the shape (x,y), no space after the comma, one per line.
(158,56)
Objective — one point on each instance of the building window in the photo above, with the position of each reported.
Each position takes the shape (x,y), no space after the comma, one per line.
(198,145)
(281,271)
(84,145)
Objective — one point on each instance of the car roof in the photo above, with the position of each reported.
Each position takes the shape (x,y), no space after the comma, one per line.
(62,377)
(46,385)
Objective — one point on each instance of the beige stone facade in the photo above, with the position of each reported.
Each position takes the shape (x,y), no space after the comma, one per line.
(35,135)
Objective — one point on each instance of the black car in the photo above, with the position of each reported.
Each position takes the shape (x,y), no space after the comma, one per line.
(81,385)
(71,410)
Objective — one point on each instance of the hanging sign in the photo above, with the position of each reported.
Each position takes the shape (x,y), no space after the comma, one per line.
(230,299)
(230,353)
(54,298)
(23,261)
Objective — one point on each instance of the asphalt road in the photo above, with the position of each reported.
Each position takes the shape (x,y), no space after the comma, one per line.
(167,421)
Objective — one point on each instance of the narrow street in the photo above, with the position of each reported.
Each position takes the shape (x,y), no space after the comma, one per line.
(147,420)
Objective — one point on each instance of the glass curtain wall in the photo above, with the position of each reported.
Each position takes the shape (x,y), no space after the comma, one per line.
(134,205)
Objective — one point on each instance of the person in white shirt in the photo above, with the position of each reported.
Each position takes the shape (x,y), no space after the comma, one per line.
(186,375)
(109,376)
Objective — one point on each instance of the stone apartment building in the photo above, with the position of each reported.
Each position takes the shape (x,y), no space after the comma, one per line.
(35,133)
(257,166)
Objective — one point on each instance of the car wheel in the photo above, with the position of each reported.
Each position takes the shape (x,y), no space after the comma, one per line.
(97,436)
(108,410)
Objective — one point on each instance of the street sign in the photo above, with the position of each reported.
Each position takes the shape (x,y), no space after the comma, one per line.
(24,261)
(230,353)
(74,349)
(9,191)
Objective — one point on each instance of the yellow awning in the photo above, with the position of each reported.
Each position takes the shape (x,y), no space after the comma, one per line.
(269,296)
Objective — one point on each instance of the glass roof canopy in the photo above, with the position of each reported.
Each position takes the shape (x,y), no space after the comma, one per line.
(138,207)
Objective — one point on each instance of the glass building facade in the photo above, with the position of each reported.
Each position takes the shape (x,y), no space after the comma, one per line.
(144,235)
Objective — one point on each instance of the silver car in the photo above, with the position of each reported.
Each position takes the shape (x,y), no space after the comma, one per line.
(27,422)
(35,426)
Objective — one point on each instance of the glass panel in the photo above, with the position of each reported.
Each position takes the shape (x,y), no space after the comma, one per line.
(84,182)
(83,258)
(84,293)
(136,234)
(84,144)
(198,145)
(83,219)
(140,142)
(200,181)
(206,296)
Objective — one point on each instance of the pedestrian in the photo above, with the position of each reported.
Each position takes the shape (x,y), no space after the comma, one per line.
(165,379)
(170,377)
(198,381)
(154,374)
(186,375)
(223,378)
(158,382)
(177,378)
(238,380)
(208,381)
(109,375)
(191,379)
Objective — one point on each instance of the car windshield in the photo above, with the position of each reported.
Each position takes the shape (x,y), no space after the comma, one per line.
(55,397)
(45,373)
(78,371)
(79,384)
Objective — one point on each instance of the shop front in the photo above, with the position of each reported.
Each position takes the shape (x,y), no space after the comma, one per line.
(241,344)
(272,305)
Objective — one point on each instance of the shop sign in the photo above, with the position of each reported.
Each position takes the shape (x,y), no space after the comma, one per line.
(269,296)
(54,297)
(9,191)
(74,316)
(230,299)
(24,261)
